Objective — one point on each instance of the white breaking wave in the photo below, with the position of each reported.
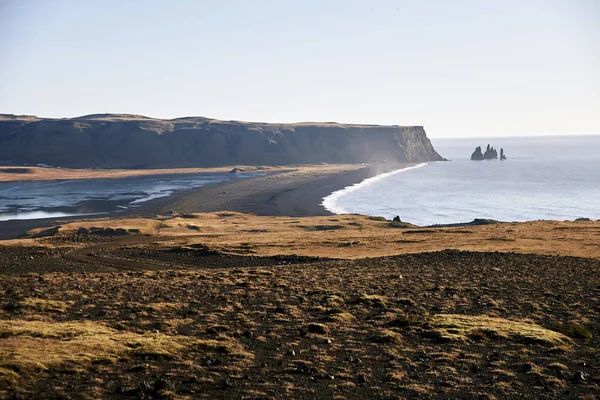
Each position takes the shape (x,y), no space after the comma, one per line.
(39,215)
(331,202)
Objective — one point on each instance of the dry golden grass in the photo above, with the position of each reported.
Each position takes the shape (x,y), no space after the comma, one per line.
(28,347)
(161,305)
(461,327)
(350,236)
(44,305)
(47,174)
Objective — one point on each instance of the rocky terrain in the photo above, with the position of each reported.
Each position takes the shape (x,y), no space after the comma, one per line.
(228,305)
(131,141)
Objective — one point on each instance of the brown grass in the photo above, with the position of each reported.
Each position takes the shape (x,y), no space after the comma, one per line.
(44,305)
(229,232)
(29,347)
(126,314)
(461,327)
(47,174)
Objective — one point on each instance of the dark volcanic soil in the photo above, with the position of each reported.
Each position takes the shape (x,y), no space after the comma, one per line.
(228,326)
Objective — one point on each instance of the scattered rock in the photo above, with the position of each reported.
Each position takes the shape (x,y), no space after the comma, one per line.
(46,233)
(212,330)
(386,336)
(247,333)
(319,329)
(138,368)
(327,377)
(102,231)
(162,384)
(302,367)
(579,376)
(401,322)
(226,384)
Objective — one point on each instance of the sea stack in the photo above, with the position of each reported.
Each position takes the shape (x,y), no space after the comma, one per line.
(477,154)
(490,154)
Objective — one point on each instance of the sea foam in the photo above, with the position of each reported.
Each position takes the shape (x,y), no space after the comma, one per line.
(331,202)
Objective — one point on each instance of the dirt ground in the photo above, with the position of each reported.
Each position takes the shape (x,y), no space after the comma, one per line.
(228,305)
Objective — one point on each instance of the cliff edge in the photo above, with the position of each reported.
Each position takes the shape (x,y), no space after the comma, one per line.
(132,141)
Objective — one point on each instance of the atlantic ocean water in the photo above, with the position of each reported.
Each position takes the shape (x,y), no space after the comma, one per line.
(544,178)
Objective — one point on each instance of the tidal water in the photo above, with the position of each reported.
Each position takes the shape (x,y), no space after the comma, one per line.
(46,199)
(550,178)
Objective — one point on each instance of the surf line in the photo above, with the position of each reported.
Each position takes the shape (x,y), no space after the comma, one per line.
(330,202)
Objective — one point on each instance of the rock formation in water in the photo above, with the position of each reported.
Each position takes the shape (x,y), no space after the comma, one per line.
(490,154)
(477,154)
(502,156)
(132,141)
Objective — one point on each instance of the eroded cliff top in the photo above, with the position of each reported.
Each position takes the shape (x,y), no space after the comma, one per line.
(135,117)
(136,141)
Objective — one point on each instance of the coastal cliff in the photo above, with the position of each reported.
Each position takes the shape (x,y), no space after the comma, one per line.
(132,141)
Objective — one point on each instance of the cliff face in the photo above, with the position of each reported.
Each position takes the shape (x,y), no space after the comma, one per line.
(129,141)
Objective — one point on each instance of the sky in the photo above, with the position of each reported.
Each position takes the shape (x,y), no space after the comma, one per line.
(461,68)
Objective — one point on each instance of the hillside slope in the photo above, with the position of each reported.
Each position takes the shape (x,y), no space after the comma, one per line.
(132,141)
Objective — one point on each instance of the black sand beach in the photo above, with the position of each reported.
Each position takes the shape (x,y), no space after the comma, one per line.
(296,193)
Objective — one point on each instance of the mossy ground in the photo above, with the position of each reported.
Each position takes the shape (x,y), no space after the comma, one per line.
(228,310)
(445,324)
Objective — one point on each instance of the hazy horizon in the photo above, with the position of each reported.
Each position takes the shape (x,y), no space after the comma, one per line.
(508,136)
(460,69)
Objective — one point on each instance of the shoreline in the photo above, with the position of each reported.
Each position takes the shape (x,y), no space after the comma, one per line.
(295,191)
(30,173)
(330,202)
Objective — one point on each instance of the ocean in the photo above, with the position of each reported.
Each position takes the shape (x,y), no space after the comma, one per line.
(63,198)
(544,178)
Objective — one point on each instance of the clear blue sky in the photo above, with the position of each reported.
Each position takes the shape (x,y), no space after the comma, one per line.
(460,68)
